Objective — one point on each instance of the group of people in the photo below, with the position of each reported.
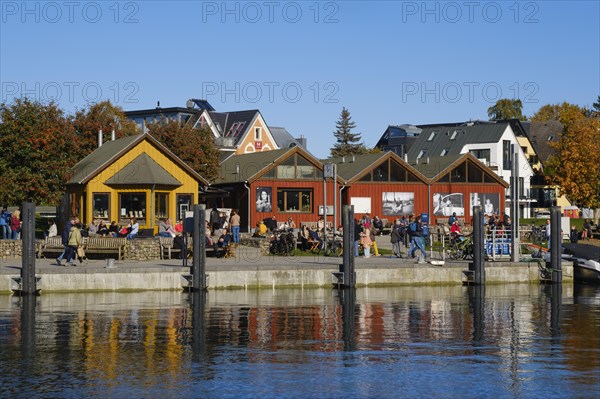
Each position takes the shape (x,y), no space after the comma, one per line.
(10,224)
(270,224)
(408,230)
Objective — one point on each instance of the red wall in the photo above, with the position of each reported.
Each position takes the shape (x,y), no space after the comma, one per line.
(466,189)
(298,217)
(375,192)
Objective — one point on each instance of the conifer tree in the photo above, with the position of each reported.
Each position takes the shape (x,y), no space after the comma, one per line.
(348,143)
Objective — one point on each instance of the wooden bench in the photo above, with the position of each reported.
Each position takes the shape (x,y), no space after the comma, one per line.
(105,245)
(166,244)
(51,244)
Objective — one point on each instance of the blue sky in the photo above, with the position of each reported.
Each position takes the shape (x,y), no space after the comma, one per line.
(301,62)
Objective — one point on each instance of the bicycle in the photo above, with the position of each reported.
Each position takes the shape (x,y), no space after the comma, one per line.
(461,247)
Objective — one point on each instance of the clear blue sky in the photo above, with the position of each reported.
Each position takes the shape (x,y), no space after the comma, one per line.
(301,62)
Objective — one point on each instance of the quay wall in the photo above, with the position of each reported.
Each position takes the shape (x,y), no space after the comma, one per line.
(141,278)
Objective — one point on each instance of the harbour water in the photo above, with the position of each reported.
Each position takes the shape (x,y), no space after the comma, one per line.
(500,341)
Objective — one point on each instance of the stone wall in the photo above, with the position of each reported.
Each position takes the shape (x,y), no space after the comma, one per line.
(142,249)
(255,242)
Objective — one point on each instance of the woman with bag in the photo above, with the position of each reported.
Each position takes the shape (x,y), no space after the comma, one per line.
(73,244)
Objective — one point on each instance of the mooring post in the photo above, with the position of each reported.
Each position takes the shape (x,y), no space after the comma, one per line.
(478,247)
(477,303)
(348,302)
(555,303)
(199,249)
(514,205)
(555,245)
(348,259)
(28,283)
(198,302)
(28,326)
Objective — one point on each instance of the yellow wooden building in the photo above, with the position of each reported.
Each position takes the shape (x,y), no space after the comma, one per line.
(134,176)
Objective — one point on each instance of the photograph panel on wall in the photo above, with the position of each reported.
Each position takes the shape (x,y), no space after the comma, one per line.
(398,203)
(489,202)
(264,196)
(361,204)
(445,204)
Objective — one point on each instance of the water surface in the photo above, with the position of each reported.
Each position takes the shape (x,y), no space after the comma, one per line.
(501,341)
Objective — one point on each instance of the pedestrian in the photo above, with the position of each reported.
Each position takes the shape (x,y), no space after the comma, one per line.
(73,243)
(396,239)
(357,231)
(234,222)
(5,221)
(215,219)
(574,235)
(65,240)
(15,224)
(416,231)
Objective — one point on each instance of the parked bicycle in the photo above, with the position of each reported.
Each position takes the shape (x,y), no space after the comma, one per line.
(284,244)
(461,247)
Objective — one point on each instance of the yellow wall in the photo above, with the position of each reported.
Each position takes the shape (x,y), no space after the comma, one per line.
(247,144)
(96,185)
(525,143)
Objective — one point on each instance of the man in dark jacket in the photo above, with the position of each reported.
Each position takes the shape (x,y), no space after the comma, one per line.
(397,239)
(65,239)
(215,219)
(357,231)
(415,230)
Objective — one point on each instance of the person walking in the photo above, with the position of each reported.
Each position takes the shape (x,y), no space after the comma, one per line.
(416,231)
(5,221)
(73,243)
(65,240)
(397,239)
(15,225)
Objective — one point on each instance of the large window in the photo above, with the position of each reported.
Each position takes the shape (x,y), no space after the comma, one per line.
(296,167)
(483,153)
(506,154)
(161,201)
(132,205)
(295,200)
(100,206)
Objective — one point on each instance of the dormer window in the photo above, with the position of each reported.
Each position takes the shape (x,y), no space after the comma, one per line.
(422,153)
(445,152)
(432,136)
(453,136)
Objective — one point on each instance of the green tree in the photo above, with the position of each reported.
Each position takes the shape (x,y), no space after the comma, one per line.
(506,109)
(194,146)
(575,165)
(348,143)
(38,150)
(100,116)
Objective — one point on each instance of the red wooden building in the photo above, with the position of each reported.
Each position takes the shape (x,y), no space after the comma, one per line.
(285,183)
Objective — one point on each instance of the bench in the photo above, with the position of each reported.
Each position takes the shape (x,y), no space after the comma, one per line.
(166,244)
(105,245)
(51,244)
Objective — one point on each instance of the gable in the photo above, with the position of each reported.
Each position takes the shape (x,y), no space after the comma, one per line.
(468,170)
(389,171)
(142,170)
(257,137)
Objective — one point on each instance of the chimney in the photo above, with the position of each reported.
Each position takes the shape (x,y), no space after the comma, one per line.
(427,160)
(343,159)
(100,138)
(406,157)
(113,135)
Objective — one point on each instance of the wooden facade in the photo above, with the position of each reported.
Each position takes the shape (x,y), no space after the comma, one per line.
(137,177)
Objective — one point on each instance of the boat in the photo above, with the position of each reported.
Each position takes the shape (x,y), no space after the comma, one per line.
(586,262)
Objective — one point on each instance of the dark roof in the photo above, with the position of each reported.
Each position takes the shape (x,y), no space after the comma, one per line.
(143,170)
(541,134)
(162,111)
(351,168)
(479,133)
(226,120)
(100,158)
(283,138)
(249,167)
(110,151)
(398,131)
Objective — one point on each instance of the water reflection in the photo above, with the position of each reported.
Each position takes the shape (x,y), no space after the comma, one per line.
(419,340)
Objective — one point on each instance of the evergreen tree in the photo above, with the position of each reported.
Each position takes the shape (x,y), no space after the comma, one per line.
(348,143)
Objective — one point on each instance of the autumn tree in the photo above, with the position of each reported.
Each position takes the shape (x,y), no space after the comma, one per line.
(506,109)
(557,112)
(38,143)
(194,146)
(575,165)
(347,143)
(100,116)
(596,108)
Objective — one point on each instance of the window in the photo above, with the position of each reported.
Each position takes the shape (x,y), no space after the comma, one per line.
(257,133)
(295,200)
(132,205)
(454,134)
(521,187)
(475,175)
(445,152)
(100,206)
(482,154)
(381,173)
(550,138)
(459,174)
(161,201)
(297,167)
(422,153)
(184,204)
(397,172)
(506,154)
(431,136)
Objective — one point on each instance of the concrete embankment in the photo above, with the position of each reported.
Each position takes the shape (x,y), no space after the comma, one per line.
(250,270)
